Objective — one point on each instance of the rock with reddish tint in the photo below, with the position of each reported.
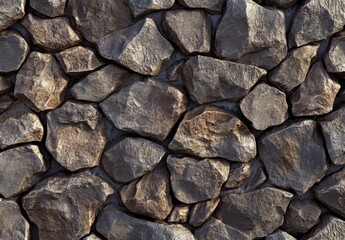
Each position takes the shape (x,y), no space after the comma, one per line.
(179,214)
(202,211)
(10,12)
(329,228)
(144,7)
(213,6)
(50,8)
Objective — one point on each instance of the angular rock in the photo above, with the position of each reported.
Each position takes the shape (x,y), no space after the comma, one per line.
(202,211)
(5,102)
(187,176)
(13,51)
(6,84)
(41,84)
(76,60)
(142,8)
(299,60)
(257,213)
(98,85)
(111,218)
(93,25)
(53,34)
(316,95)
(213,6)
(294,155)
(140,47)
(13,225)
(257,178)
(92,237)
(150,195)
(175,72)
(301,216)
(328,18)
(179,214)
(50,8)
(282,3)
(251,34)
(10,12)
(150,108)
(189,30)
(334,55)
(131,158)
(20,169)
(209,132)
(239,173)
(254,107)
(280,235)
(329,228)
(76,135)
(209,79)
(19,125)
(64,207)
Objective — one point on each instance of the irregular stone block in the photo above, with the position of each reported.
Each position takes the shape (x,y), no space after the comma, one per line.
(143,7)
(50,8)
(10,12)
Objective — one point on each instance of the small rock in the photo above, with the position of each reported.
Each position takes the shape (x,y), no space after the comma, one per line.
(69,205)
(98,85)
(50,8)
(189,30)
(5,103)
(76,135)
(13,51)
(111,218)
(13,225)
(10,12)
(329,228)
(255,213)
(174,74)
(41,84)
(150,108)
(328,18)
(299,60)
(6,84)
(202,211)
(316,95)
(209,79)
(280,235)
(239,173)
(187,176)
(213,6)
(54,34)
(19,125)
(142,8)
(251,34)
(179,214)
(92,237)
(254,107)
(209,132)
(131,158)
(282,3)
(257,178)
(76,60)
(334,55)
(140,47)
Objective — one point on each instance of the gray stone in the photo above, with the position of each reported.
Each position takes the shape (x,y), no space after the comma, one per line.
(76,135)
(280,235)
(179,214)
(5,102)
(13,51)
(282,3)
(189,30)
(53,34)
(239,173)
(76,60)
(6,84)
(328,18)
(209,132)
(174,74)
(257,213)
(255,108)
(257,178)
(92,237)
(98,85)
(294,155)
(316,95)
(131,158)
(209,79)
(329,228)
(202,211)
(13,225)
(144,7)
(41,84)
(336,52)
(251,34)
(140,47)
(213,6)
(64,207)
(299,60)
(187,176)
(50,8)
(150,108)
(19,125)
(93,25)
(10,12)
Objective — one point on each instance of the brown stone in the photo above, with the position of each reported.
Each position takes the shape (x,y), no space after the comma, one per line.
(202,211)
(239,173)
(50,8)
(10,12)
(336,52)
(179,214)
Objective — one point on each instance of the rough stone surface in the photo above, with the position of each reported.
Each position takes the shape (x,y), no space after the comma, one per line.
(328,18)
(131,158)
(10,12)
(64,207)
(41,84)
(144,7)
(316,95)
(111,218)
(6,84)
(257,213)
(208,132)
(294,155)
(13,51)
(257,178)
(179,214)
(239,172)
(150,108)
(280,235)
(19,125)
(71,131)
(209,79)
(334,55)
(251,34)
(254,107)
(92,237)
(329,228)
(13,225)
(140,47)
(299,60)
(202,211)
(51,34)
(214,6)
(188,176)
(189,30)
(5,103)
(50,8)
